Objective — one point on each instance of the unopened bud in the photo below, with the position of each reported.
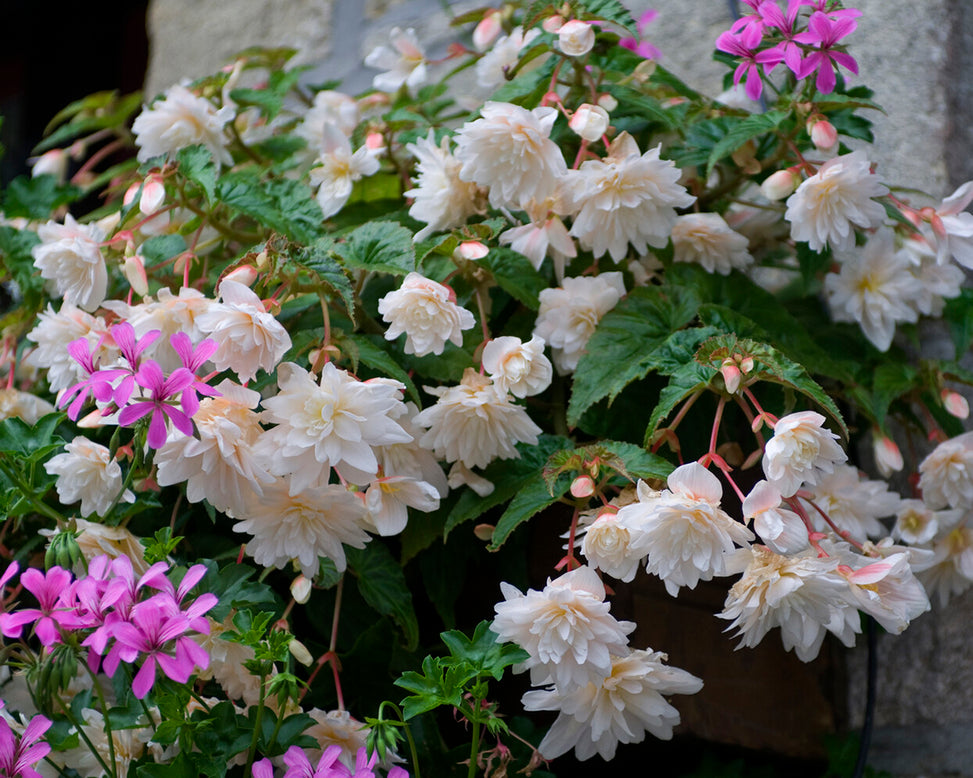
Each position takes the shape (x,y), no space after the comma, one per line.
(134,270)
(300,653)
(779,185)
(301,589)
(553,24)
(374,141)
(129,197)
(607,102)
(746,365)
(823,134)
(261,261)
(888,457)
(731,375)
(583,486)
(643,71)
(576,38)
(53,162)
(487,30)
(245,274)
(589,121)
(484,532)
(471,250)
(153,195)
(955,403)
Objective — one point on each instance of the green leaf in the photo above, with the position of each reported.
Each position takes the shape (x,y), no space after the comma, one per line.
(508,477)
(742,130)
(159,248)
(36,198)
(635,462)
(284,205)
(434,687)
(959,314)
(15,257)
(531,499)
(483,652)
(20,439)
(234,589)
(633,103)
(621,349)
(318,258)
(377,358)
(700,141)
(514,274)
(382,585)
(609,10)
(197,165)
(892,380)
(379,246)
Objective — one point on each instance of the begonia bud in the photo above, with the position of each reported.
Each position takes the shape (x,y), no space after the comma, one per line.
(582,486)
(731,375)
(589,121)
(553,24)
(134,270)
(779,185)
(823,134)
(471,250)
(955,403)
(576,38)
(153,195)
(487,30)
(888,457)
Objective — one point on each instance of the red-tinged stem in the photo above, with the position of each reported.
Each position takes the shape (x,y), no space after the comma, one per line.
(239,557)
(572,533)
(582,150)
(716,425)
(750,417)
(482,309)
(98,156)
(768,417)
(679,417)
(843,534)
(812,535)
(334,642)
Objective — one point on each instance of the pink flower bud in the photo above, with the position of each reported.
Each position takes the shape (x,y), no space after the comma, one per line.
(130,193)
(731,375)
(607,102)
(471,250)
(955,403)
(484,532)
(576,38)
(888,458)
(300,653)
(301,589)
(823,134)
(553,24)
(583,486)
(746,365)
(245,274)
(53,162)
(134,270)
(487,30)
(779,185)
(153,195)
(589,121)
(374,141)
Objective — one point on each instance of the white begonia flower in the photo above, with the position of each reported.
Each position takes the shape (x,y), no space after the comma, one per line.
(404,63)
(875,288)
(492,67)
(426,311)
(576,38)
(69,256)
(779,528)
(801,594)
(23,405)
(517,367)
(441,198)
(474,423)
(249,337)
(706,239)
(333,423)
(619,709)
(302,527)
(589,122)
(182,119)
(800,451)
(627,197)
(544,235)
(606,544)
(951,571)
(568,315)
(410,459)
(686,535)
(87,472)
(567,629)
(336,727)
(53,332)
(389,498)
(827,206)
(853,503)
(461,475)
(338,168)
(946,475)
(954,230)
(509,150)
(917,523)
(220,465)
(934,284)
(329,108)
(886,589)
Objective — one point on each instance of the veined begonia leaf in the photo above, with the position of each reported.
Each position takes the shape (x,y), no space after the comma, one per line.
(382,585)
(742,130)
(196,165)
(379,246)
(515,275)
(533,497)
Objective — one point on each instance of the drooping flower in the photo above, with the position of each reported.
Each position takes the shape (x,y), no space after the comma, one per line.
(389,498)
(509,150)
(621,708)
(707,240)
(182,119)
(830,204)
(329,107)
(606,544)
(492,67)
(517,367)
(426,311)
(917,523)
(780,529)
(474,423)
(567,629)
(404,63)
(69,256)
(625,198)
(885,589)
(800,451)
(946,475)
(338,168)
(23,405)
(853,503)
(87,472)
(568,315)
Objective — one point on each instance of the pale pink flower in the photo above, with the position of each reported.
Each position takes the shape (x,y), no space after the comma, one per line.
(389,498)
(69,256)
(917,523)
(441,198)
(830,204)
(576,38)
(853,503)
(946,475)
(517,367)
(707,240)
(780,529)
(492,67)
(627,197)
(951,571)
(621,708)
(544,235)
(87,472)
(568,315)
(953,227)
(885,589)
(460,475)
(303,527)
(249,337)
(606,544)
(800,451)
(426,311)
(888,457)
(336,727)
(23,405)
(404,63)
(337,168)
(410,459)
(509,150)
(182,119)
(589,121)
(567,629)
(474,423)
(329,108)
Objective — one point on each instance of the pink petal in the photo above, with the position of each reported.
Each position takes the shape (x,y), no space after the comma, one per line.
(145,678)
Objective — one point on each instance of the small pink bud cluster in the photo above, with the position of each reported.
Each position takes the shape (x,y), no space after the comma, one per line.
(733,369)
(119,618)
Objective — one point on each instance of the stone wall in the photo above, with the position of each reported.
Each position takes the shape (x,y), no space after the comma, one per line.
(918,56)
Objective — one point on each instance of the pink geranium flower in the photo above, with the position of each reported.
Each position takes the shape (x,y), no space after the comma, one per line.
(17,759)
(162,391)
(825,31)
(639,45)
(54,612)
(745,46)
